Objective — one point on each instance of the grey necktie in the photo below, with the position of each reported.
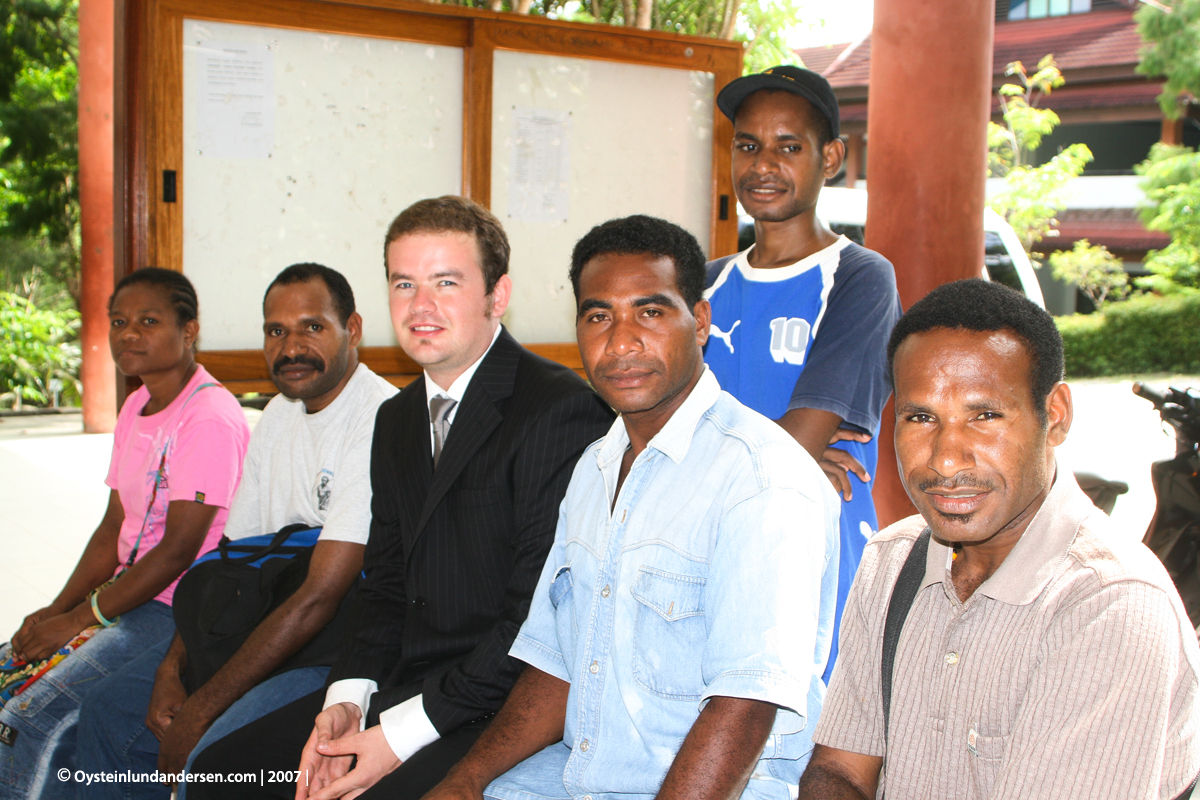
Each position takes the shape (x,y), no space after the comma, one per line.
(439,409)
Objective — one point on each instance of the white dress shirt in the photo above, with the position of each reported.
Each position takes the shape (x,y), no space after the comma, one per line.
(406,726)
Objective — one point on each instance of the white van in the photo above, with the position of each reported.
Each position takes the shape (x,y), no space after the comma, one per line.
(1004,260)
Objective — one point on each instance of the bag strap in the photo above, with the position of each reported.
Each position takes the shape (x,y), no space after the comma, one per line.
(277,541)
(160,476)
(903,594)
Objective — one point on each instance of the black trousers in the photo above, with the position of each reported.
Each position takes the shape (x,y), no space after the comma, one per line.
(275,742)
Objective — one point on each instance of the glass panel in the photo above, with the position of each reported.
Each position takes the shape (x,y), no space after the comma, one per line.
(1018,10)
(998,263)
(1081,6)
(556,116)
(1037,8)
(344,133)
(1059,8)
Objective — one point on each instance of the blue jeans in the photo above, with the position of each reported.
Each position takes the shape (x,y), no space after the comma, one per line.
(113,736)
(45,716)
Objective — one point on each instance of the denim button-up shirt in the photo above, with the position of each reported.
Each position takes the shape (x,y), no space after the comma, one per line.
(714,573)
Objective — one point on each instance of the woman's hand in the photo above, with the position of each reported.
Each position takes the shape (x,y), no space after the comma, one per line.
(50,633)
(32,620)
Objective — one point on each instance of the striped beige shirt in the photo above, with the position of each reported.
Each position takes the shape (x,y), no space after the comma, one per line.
(1070,673)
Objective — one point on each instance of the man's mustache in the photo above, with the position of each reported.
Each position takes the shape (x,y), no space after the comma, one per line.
(957,482)
(308,361)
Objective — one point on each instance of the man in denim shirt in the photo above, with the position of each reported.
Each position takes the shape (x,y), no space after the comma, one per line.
(682,621)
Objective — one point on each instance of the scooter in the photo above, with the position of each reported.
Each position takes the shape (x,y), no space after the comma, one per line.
(1174,532)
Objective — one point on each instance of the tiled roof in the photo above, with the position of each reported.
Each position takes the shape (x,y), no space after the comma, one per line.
(852,66)
(1078,41)
(818,59)
(1098,95)
(1118,229)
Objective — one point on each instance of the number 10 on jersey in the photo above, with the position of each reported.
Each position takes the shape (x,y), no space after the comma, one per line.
(789,339)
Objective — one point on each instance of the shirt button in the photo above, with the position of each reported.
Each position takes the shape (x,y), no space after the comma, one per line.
(587,797)
(952,658)
(594,668)
(584,746)
(605,592)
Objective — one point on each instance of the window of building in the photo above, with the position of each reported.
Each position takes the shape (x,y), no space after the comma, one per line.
(1035,9)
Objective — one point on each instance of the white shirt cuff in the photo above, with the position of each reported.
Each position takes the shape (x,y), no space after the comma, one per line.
(407,728)
(352,690)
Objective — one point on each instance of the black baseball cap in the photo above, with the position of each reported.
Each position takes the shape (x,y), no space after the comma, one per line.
(797,80)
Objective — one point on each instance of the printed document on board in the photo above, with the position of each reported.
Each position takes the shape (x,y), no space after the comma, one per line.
(539,185)
(235,100)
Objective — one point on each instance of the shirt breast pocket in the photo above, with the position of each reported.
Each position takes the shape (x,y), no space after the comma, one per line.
(987,760)
(669,634)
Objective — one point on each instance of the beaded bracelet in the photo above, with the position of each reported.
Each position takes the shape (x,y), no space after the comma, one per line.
(100,617)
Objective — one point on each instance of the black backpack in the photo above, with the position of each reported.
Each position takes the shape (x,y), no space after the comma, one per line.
(228,591)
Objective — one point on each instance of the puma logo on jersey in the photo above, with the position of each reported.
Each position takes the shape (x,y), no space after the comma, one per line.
(724,336)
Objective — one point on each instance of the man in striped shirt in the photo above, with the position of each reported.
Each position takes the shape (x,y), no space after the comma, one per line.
(1045,653)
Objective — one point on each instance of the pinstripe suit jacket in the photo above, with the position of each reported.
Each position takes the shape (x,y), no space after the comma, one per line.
(454,554)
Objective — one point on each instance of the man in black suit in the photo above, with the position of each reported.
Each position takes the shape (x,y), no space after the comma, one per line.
(468,467)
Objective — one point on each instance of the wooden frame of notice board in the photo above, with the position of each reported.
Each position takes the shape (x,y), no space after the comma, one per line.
(150,101)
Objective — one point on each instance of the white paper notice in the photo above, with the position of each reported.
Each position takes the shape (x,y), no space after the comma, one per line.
(235,100)
(539,185)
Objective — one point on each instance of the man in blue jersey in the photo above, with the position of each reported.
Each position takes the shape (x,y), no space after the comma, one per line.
(800,320)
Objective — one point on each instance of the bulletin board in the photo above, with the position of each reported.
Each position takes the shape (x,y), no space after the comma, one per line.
(563,162)
(263,134)
(356,129)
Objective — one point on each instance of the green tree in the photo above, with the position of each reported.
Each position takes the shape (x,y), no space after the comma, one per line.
(1096,271)
(1171,183)
(1172,49)
(1172,174)
(761,24)
(39,354)
(1032,195)
(39,187)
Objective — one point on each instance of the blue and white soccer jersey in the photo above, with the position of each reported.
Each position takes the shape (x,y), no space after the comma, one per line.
(811,335)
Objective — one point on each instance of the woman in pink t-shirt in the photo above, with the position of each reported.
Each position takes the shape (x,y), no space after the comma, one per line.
(177,459)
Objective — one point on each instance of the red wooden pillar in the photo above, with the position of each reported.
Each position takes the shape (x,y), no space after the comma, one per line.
(98,374)
(1172,131)
(854,154)
(927,117)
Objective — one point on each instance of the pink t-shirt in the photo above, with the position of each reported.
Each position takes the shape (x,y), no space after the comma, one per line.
(204,433)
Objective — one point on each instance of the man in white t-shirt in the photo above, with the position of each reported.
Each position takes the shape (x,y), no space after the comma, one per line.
(308,462)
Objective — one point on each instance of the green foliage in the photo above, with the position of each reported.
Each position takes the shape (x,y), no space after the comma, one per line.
(761,24)
(38,110)
(1143,334)
(1172,49)
(1171,183)
(35,269)
(39,188)
(39,349)
(764,25)
(1025,125)
(1096,271)
(1034,195)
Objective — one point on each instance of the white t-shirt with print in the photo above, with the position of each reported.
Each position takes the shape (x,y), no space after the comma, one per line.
(312,468)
